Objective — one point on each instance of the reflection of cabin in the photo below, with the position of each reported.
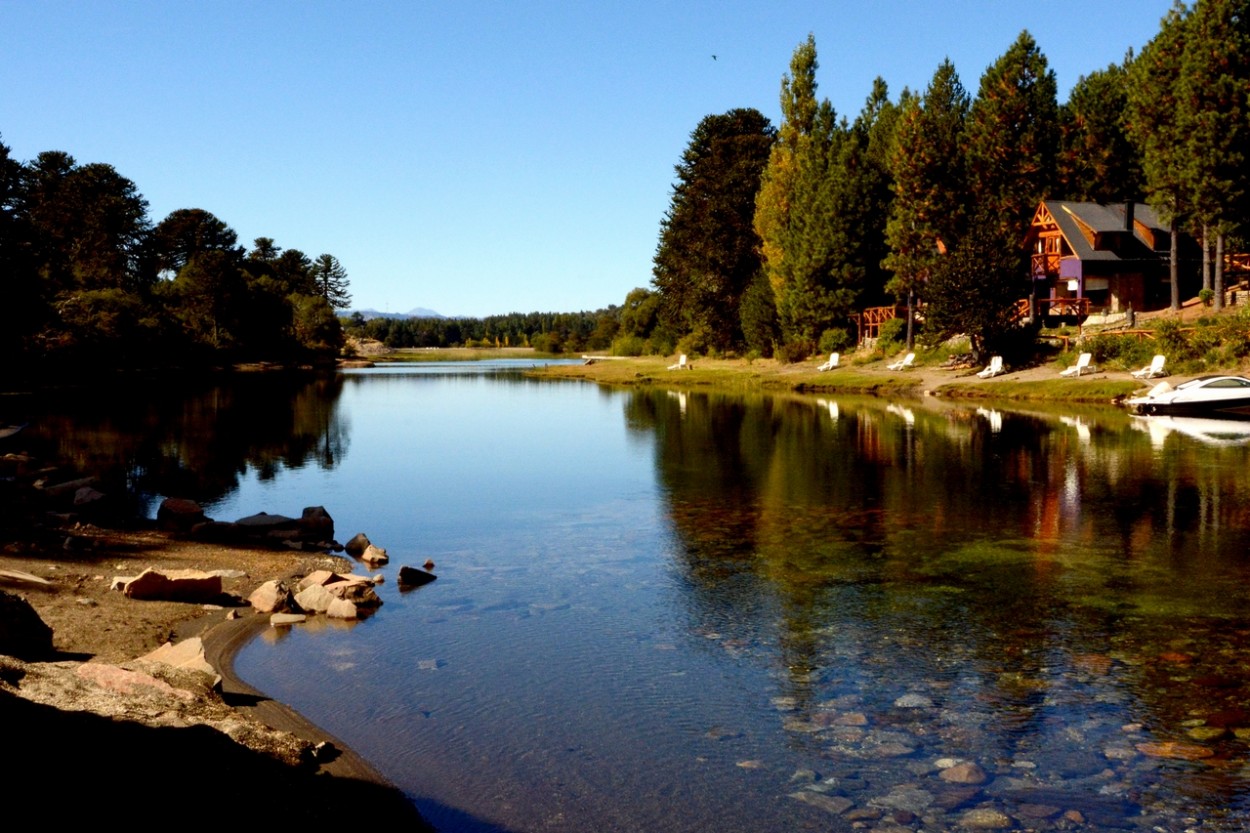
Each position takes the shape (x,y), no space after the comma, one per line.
(1090,257)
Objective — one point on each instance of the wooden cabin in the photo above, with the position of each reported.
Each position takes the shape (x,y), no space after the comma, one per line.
(1088,257)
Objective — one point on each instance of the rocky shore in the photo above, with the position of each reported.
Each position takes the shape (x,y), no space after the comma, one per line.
(114,704)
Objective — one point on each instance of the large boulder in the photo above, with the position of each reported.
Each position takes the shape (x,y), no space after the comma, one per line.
(22,633)
(179,514)
(315,524)
(174,586)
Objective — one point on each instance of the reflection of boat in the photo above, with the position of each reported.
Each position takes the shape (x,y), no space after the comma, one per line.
(1212,430)
(1198,397)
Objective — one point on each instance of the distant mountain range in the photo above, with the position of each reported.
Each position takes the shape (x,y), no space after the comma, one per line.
(418,312)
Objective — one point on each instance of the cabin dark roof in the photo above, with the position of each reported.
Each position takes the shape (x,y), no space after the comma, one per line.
(1098,232)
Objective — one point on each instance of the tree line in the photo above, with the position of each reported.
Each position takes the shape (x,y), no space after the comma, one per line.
(547,332)
(90,282)
(776,237)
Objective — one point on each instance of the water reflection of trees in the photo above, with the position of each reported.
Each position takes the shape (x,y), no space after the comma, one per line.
(194,441)
(1001,558)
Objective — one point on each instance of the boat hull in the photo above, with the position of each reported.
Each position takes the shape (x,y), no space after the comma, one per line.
(1191,409)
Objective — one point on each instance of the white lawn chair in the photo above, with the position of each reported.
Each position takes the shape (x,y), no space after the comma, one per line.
(832,363)
(903,363)
(1082,366)
(1153,370)
(681,363)
(994,368)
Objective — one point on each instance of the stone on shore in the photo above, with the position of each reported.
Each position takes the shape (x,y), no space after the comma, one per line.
(319,590)
(130,683)
(273,597)
(357,545)
(174,586)
(374,555)
(315,524)
(342,609)
(283,619)
(187,655)
(179,514)
(314,599)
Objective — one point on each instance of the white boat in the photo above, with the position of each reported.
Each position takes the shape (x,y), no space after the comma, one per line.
(1204,396)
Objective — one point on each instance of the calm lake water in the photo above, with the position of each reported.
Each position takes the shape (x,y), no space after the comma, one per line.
(694,611)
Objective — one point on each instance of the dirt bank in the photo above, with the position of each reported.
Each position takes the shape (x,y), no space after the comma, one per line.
(191,752)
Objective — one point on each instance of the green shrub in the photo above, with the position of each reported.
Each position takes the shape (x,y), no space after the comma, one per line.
(795,351)
(628,346)
(892,335)
(836,339)
(548,343)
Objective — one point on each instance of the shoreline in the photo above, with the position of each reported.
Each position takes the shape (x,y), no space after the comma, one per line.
(170,749)
(1039,382)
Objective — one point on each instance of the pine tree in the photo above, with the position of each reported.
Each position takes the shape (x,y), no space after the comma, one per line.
(929,182)
(1012,137)
(708,250)
(1097,162)
(1158,124)
(1214,88)
(777,201)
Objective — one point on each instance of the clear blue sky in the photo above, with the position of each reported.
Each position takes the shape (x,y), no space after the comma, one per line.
(471,157)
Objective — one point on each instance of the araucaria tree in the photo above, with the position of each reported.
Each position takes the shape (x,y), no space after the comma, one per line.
(331,281)
(708,250)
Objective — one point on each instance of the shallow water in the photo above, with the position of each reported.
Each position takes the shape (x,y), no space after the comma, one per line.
(682,612)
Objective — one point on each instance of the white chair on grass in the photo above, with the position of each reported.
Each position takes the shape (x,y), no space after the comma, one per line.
(903,363)
(1153,370)
(681,363)
(1082,366)
(994,368)
(832,363)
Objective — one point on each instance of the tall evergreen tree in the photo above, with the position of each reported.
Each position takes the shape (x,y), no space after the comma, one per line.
(330,278)
(929,181)
(1012,138)
(708,249)
(777,201)
(1158,123)
(1097,162)
(1012,141)
(1214,88)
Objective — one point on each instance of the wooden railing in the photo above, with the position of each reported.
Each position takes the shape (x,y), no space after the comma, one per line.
(1046,263)
(1078,307)
(1074,307)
